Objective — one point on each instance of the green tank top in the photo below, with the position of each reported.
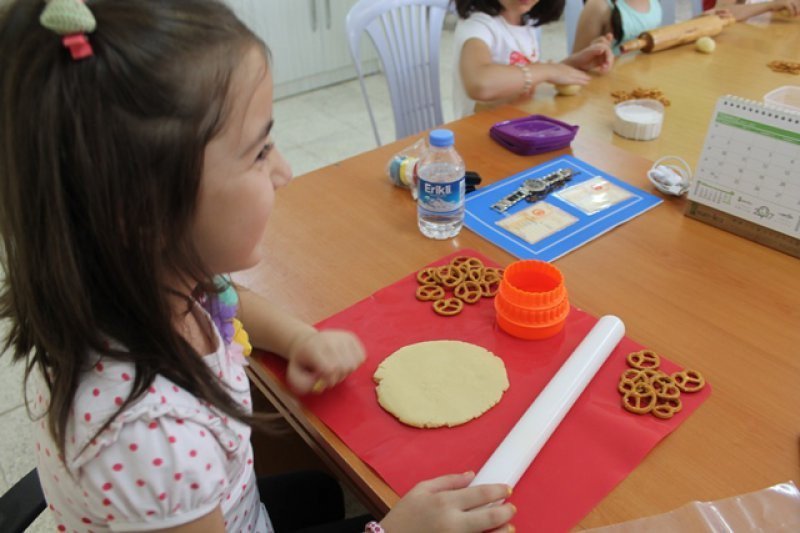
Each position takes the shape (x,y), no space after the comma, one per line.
(634,23)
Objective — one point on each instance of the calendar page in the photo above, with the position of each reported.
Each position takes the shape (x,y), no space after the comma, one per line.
(750,164)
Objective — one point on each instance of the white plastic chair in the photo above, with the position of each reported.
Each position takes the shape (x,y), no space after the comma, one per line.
(667,12)
(406,34)
(572,12)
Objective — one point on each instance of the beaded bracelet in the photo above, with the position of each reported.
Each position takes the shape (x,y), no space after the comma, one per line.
(527,77)
(374,527)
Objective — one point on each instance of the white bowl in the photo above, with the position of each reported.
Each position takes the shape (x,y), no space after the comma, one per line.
(639,120)
(787,97)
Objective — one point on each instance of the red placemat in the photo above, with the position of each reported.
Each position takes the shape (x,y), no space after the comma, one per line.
(597,444)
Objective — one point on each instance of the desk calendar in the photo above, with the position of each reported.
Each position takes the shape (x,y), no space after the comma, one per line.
(750,165)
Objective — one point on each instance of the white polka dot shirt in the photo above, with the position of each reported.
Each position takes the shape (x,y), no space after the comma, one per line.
(166,460)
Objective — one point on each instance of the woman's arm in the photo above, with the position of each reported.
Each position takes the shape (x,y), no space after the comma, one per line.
(594,22)
(745,11)
(486,81)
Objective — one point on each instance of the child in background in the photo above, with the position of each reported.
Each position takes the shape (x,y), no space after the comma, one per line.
(627,19)
(622,19)
(498,56)
(136,168)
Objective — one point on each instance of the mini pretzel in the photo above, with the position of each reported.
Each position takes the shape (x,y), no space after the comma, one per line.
(429,292)
(640,400)
(790,67)
(665,388)
(666,409)
(475,274)
(645,359)
(689,380)
(648,375)
(489,289)
(491,274)
(468,291)
(632,374)
(471,263)
(459,260)
(448,306)
(427,276)
(449,276)
(625,386)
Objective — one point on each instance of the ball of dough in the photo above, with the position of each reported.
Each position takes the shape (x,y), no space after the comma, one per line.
(705,45)
(568,90)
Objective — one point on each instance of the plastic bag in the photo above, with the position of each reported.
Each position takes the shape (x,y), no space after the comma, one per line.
(402,167)
(774,509)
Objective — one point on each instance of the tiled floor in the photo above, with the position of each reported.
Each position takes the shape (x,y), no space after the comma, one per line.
(313,130)
(320,127)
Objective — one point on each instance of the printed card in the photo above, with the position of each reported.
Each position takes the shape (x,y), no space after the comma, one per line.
(537,222)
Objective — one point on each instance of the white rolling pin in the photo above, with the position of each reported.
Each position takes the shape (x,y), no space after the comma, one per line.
(520,447)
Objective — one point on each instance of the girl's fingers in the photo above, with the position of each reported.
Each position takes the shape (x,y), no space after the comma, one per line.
(481,495)
(491,517)
(300,380)
(448,482)
(508,528)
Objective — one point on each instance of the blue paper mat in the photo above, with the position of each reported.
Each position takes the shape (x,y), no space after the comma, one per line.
(481,219)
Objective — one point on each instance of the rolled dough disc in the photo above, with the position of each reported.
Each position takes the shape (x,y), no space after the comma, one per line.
(440,383)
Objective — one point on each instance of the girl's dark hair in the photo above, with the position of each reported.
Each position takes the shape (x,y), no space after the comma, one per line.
(544,12)
(616,22)
(100,163)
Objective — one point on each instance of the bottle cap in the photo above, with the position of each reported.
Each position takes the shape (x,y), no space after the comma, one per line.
(442,138)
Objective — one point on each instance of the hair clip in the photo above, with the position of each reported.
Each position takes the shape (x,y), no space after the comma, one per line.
(71,19)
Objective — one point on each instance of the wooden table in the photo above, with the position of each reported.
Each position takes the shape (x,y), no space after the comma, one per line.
(690,80)
(703,297)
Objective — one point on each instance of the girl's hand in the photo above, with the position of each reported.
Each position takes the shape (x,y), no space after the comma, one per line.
(447,504)
(322,359)
(562,74)
(596,57)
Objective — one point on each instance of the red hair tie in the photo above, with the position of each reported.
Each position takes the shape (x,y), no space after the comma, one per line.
(73,20)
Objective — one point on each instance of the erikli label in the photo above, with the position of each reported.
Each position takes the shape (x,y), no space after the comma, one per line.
(441,197)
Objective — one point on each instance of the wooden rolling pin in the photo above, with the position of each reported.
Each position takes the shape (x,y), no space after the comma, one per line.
(677,34)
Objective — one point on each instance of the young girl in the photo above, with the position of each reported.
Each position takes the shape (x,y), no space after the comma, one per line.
(136,167)
(498,56)
(622,20)
(627,19)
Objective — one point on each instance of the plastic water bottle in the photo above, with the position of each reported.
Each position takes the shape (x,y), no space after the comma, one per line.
(440,198)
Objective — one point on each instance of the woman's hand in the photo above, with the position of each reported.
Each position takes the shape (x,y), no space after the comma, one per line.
(791,8)
(321,359)
(447,503)
(596,57)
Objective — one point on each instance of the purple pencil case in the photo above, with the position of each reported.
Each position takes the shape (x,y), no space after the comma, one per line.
(533,134)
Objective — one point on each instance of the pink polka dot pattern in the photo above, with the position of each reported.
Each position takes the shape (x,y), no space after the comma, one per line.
(166,453)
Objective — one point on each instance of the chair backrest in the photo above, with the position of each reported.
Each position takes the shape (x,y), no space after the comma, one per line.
(406,34)
(572,12)
(23,502)
(667,12)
